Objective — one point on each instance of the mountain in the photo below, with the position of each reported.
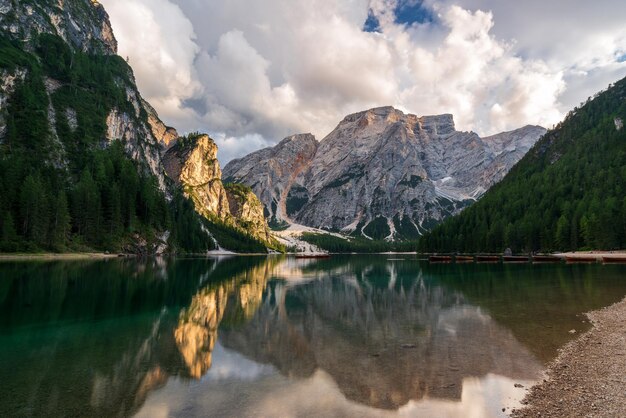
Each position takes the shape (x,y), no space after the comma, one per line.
(567,193)
(192,163)
(380,173)
(81,152)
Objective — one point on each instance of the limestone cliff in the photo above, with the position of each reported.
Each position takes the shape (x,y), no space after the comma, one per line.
(380,173)
(84,28)
(246,207)
(63,54)
(192,163)
(83,24)
(273,173)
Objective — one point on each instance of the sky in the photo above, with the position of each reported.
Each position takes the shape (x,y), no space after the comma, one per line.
(251,72)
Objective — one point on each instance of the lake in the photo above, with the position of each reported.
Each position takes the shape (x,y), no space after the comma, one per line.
(278,336)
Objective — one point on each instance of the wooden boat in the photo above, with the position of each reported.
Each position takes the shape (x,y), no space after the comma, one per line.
(615,259)
(312,255)
(581,259)
(515,259)
(440,259)
(546,259)
(463,259)
(487,258)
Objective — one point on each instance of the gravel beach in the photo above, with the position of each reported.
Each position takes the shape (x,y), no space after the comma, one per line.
(588,378)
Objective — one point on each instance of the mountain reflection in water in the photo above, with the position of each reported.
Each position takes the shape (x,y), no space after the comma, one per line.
(344,336)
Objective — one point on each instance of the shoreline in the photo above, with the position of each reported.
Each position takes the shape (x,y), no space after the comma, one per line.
(588,377)
(597,254)
(57,256)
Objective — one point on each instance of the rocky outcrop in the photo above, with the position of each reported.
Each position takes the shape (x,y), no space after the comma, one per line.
(138,141)
(381,173)
(272,172)
(165,135)
(83,24)
(8,82)
(246,207)
(192,163)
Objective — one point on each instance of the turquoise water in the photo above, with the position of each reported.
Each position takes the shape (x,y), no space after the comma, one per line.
(277,336)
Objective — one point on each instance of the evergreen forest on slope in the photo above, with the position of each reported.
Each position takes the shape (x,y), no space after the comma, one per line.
(567,193)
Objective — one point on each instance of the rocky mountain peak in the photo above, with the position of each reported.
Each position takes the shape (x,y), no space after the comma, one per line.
(296,143)
(439,125)
(191,162)
(381,173)
(83,24)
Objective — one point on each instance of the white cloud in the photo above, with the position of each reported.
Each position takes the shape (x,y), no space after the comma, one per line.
(259,71)
(159,42)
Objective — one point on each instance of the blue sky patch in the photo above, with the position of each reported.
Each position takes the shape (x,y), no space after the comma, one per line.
(371,24)
(407,12)
(621,58)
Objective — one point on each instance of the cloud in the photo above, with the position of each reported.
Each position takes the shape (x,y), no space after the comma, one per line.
(251,73)
(159,42)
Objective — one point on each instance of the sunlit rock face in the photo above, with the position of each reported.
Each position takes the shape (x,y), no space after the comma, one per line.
(165,135)
(192,163)
(194,166)
(247,209)
(380,173)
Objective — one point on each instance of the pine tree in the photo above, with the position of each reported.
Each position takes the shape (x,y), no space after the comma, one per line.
(61,222)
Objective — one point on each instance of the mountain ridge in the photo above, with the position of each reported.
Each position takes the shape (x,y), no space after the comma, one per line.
(73,121)
(353,179)
(566,194)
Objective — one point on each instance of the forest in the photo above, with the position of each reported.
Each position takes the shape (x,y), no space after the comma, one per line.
(62,187)
(335,244)
(568,193)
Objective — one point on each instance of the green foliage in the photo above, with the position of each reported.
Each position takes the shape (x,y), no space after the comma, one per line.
(378,229)
(232,238)
(13,56)
(276,225)
(405,229)
(412,182)
(567,193)
(186,141)
(43,209)
(187,229)
(238,189)
(297,197)
(336,244)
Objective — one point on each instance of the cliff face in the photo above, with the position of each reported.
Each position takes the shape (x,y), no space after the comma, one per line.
(83,24)
(247,209)
(83,27)
(272,172)
(62,56)
(192,163)
(381,173)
